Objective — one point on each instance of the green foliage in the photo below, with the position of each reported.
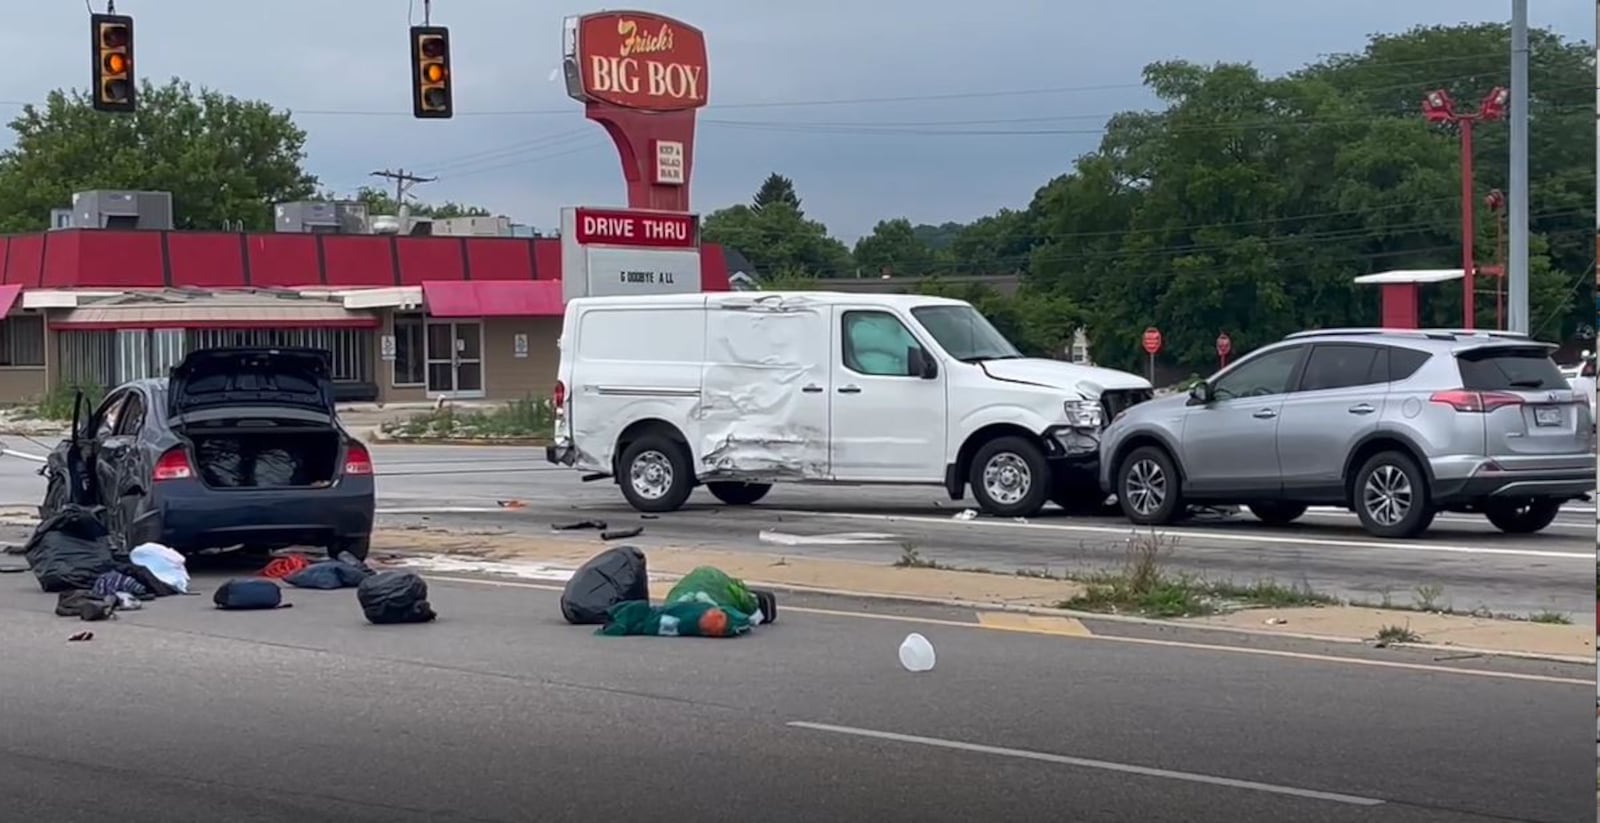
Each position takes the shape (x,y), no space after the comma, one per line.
(223,159)
(529,417)
(776,238)
(776,189)
(58,403)
(894,248)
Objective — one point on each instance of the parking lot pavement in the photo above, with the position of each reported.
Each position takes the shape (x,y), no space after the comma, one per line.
(499,712)
(1462,563)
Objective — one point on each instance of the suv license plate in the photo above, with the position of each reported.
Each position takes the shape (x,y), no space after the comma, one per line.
(1547,415)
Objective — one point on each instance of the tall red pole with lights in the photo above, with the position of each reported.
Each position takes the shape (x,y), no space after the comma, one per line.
(1439,108)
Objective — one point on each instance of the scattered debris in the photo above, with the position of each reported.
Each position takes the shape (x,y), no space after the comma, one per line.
(916,653)
(1276,621)
(80,637)
(575,525)
(686,619)
(249,594)
(965,514)
(511,504)
(85,605)
(167,565)
(622,534)
(649,517)
(282,568)
(344,573)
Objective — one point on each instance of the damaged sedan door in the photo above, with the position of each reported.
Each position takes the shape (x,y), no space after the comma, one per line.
(117,458)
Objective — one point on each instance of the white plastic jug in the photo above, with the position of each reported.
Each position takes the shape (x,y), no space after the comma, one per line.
(916,653)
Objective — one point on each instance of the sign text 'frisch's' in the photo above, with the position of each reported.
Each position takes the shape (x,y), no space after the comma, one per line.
(637,228)
(642,61)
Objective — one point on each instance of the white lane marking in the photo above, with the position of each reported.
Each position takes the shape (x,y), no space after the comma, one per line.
(438,509)
(1104,638)
(1086,763)
(1201,534)
(839,539)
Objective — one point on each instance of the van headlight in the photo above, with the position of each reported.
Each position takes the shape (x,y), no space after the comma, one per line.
(1082,413)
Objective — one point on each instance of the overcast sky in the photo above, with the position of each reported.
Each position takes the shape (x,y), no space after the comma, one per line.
(519,146)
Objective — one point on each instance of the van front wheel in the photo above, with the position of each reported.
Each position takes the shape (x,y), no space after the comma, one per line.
(1009,477)
(655,474)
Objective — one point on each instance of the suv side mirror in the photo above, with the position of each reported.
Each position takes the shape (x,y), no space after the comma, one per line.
(920,364)
(1200,394)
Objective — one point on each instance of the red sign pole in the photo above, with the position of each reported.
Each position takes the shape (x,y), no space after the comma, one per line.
(1152,344)
(1224,347)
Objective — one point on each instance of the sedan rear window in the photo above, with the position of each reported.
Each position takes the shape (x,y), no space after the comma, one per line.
(1509,369)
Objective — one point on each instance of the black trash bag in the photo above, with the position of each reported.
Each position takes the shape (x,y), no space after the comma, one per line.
(221,462)
(70,550)
(329,574)
(395,597)
(275,467)
(768,602)
(613,576)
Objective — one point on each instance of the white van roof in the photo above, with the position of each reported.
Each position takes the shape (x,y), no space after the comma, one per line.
(747,298)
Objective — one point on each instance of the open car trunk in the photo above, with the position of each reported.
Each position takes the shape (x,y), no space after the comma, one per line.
(263,454)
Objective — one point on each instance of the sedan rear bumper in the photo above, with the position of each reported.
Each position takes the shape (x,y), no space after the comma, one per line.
(188,516)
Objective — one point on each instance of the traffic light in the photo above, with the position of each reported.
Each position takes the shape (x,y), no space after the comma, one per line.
(114,88)
(430,72)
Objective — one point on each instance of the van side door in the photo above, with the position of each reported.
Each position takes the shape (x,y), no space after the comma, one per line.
(888,424)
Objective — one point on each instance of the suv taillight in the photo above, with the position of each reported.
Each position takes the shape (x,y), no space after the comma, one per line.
(173,465)
(1480,402)
(357,460)
(558,396)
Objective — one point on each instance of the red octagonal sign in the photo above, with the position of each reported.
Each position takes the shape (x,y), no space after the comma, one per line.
(1152,340)
(1224,344)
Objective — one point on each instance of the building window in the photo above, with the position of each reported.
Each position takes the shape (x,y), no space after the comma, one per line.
(22,340)
(410,359)
(349,350)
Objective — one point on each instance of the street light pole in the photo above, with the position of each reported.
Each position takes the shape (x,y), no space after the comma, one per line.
(1517,268)
(1438,107)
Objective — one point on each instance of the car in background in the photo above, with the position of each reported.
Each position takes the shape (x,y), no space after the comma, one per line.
(240,447)
(1394,425)
(1581,377)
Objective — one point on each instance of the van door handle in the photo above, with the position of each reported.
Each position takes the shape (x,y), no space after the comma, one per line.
(1362,408)
(849,389)
(811,389)
(1265,414)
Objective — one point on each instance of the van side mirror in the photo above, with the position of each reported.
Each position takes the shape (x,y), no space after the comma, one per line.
(1200,394)
(919,364)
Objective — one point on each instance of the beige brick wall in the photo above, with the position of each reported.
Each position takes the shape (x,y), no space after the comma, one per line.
(506,376)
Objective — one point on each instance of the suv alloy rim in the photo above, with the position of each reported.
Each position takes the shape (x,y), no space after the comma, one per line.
(1006,478)
(651,475)
(1387,495)
(1146,486)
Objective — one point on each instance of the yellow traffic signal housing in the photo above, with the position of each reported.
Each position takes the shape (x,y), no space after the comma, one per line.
(430,73)
(112,48)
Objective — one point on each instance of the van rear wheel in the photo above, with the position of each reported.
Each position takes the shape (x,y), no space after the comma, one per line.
(1010,477)
(655,474)
(738,494)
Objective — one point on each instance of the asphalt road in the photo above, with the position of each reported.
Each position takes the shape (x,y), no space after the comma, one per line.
(500,713)
(1462,562)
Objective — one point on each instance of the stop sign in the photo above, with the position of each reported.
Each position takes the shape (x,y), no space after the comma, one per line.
(1152,340)
(1224,344)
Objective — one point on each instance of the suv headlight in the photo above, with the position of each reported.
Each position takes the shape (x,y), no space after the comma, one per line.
(1082,413)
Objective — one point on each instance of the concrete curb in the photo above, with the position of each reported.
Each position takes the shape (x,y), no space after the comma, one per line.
(460,441)
(1045,611)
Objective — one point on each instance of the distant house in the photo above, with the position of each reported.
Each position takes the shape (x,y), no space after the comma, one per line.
(742,274)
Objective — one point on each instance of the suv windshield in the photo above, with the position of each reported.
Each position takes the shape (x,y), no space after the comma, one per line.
(1509,369)
(965,334)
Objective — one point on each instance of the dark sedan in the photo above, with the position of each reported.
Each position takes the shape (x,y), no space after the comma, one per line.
(241,447)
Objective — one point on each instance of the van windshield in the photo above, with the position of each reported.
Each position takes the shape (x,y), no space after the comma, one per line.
(965,334)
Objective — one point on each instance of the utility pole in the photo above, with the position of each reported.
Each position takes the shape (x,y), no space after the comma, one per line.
(1517,265)
(403,181)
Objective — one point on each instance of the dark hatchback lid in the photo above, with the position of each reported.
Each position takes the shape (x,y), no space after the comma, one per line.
(257,377)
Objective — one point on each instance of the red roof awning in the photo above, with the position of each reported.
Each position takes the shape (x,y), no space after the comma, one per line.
(493,298)
(8,297)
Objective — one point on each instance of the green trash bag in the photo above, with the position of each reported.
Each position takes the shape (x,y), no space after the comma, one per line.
(714,587)
(686,619)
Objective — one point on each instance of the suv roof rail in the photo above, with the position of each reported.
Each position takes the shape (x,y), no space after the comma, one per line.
(1431,334)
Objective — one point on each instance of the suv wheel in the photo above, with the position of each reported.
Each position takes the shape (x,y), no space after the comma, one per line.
(655,474)
(1522,516)
(1391,496)
(1009,477)
(1277,513)
(1148,487)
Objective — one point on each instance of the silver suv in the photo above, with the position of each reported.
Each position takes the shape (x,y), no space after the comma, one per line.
(1395,425)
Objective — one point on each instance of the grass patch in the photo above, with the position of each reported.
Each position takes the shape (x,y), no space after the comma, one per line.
(1389,635)
(1142,586)
(1550,617)
(57,404)
(528,417)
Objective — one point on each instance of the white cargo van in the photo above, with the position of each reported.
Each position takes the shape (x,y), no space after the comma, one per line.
(740,390)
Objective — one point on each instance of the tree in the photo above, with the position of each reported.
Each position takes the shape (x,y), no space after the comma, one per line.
(379,201)
(894,248)
(222,158)
(777,189)
(778,238)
